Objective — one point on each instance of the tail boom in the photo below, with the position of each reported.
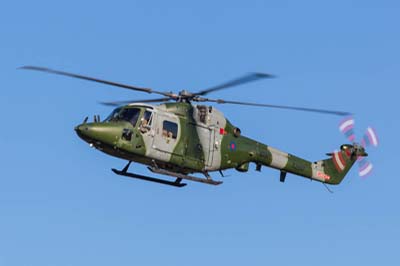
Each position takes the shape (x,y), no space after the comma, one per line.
(331,170)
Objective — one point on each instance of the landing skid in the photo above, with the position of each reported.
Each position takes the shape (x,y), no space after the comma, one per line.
(124,172)
(176,183)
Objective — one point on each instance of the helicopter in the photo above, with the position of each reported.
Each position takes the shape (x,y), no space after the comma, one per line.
(178,138)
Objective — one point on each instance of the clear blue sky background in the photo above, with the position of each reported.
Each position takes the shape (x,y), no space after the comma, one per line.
(61,205)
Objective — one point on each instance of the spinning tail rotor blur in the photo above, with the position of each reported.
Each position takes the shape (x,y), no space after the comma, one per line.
(370,138)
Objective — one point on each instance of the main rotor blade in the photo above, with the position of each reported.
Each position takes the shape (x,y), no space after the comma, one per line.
(239,81)
(340,113)
(63,73)
(119,103)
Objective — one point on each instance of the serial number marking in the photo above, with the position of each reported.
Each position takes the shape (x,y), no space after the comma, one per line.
(323,175)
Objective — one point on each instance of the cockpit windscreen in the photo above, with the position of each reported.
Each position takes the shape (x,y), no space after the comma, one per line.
(130,115)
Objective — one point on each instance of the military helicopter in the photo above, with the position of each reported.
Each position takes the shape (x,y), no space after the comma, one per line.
(178,138)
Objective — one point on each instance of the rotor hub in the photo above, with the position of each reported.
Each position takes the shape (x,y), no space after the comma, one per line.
(185,93)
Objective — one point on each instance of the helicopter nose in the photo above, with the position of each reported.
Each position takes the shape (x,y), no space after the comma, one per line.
(97,133)
(79,129)
(82,131)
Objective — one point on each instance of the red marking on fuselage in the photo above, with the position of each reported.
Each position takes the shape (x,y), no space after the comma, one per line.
(323,176)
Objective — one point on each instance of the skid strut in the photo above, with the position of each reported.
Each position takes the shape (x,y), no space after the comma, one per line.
(206,180)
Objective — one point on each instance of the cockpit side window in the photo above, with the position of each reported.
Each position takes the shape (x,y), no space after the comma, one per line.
(145,121)
(147,118)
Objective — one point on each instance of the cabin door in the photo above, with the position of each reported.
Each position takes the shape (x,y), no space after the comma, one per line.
(166,136)
(207,139)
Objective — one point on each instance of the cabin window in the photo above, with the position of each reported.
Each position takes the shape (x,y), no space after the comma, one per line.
(202,113)
(170,129)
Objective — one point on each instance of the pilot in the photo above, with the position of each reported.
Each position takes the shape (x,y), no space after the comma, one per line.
(143,125)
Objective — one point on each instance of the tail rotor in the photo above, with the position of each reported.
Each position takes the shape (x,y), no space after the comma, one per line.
(370,138)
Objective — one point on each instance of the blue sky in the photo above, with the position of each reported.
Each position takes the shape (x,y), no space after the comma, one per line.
(61,205)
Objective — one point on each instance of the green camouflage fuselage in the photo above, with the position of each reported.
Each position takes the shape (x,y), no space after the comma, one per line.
(187,138)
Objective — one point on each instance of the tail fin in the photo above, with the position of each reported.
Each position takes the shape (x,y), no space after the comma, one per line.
(334,169)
